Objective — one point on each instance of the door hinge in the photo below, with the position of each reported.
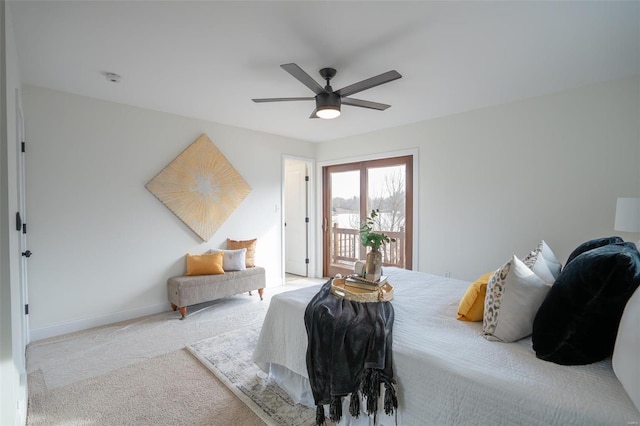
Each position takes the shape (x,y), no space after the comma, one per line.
(24,228)
(306,178)
(26,309)
(23,146)
(306,220)
(306,261)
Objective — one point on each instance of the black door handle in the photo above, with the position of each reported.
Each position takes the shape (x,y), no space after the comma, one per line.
(27,253)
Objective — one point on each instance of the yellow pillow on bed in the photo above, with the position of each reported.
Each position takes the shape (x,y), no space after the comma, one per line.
(471,307)
(205,264)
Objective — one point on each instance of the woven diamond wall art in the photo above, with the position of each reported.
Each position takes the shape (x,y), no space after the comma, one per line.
(201,187)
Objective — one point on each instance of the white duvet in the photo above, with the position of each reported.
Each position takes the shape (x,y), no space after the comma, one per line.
(447,373)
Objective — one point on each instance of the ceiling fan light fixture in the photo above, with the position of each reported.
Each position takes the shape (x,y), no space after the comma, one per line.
(328,105)
(329,101)
(328,112)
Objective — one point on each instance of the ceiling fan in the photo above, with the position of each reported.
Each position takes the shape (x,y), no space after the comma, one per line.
(328,101)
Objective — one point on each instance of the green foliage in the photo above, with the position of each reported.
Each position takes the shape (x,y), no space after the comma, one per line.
(372,239)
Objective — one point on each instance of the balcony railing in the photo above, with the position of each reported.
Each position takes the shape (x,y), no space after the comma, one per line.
(347,249)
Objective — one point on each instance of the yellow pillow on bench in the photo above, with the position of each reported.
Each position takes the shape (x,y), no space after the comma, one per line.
(205,264)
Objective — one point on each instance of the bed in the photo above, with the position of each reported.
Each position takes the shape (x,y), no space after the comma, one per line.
(447,373)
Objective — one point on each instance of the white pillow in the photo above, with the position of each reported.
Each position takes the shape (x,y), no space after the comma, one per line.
(233,260)
(626,352)
(554,264)
(514,294)
(539,266)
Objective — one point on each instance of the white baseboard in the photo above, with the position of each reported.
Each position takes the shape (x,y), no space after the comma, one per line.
(86,323)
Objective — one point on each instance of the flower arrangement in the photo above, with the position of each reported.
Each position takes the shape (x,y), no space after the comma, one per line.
(372,239)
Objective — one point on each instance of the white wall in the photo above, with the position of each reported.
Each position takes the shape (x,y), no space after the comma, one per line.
(494,182)
(12,359)
(103,245)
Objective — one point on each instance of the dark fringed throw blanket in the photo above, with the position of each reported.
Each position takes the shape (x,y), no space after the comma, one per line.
(349,353)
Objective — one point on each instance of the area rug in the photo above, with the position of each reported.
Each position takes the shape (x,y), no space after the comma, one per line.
(229,357)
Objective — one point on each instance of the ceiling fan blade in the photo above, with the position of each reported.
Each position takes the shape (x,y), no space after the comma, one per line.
(282,99)
(313,114)
(303,77)
(369,83)
(364,104)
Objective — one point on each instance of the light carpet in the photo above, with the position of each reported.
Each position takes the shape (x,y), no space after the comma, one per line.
(170,389)
(137,372)
(88,353)
(229,357)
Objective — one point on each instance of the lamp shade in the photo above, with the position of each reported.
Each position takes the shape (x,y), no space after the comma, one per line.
(627,215)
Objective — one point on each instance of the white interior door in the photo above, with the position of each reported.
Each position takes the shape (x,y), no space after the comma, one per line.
(295,217)
(22,205)
(22,335)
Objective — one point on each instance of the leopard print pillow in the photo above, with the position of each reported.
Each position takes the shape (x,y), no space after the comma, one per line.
(495,289)
(514,294)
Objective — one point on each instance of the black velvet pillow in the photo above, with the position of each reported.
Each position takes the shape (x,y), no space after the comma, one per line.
(591,244)
(578,321)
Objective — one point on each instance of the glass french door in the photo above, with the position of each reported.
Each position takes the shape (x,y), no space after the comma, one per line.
(350,192)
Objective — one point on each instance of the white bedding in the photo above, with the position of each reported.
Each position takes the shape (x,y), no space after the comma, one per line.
(447,373)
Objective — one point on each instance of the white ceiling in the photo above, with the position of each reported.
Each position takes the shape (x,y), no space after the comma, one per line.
(207,59)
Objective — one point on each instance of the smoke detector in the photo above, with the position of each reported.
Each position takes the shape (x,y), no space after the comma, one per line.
(112,77)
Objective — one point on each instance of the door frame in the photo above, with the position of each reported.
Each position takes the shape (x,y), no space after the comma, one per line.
(311,197)
(414,152)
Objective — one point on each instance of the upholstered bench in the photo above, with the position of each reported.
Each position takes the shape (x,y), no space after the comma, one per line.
(192,289)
